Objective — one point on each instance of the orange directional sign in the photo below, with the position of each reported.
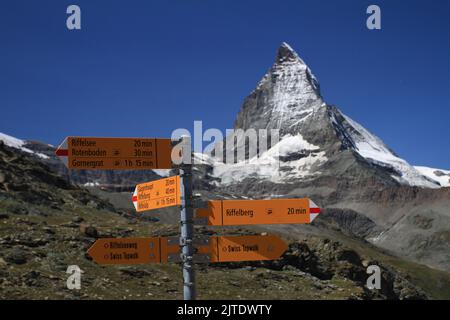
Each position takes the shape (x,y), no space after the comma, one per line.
(115,153)
(157,194)
(244,248)
(250,212)
(131,251)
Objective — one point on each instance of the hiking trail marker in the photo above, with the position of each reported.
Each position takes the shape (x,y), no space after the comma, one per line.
(244,248)
(157,194)
(130,251)
(88,153)
(252,212)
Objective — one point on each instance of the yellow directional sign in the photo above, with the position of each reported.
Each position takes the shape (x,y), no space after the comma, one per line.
(157,194)
(251,212)
(92,153)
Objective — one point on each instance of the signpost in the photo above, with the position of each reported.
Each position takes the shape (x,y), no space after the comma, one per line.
(251,212)
(91,153)
(130,251)
(157,194)
(149,153)
(244,248)
(187,223)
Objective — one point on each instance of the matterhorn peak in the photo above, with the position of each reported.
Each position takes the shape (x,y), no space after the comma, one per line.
(288,62)
(286,53)
(286,96)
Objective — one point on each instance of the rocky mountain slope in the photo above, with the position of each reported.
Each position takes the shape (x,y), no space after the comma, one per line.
(47,224)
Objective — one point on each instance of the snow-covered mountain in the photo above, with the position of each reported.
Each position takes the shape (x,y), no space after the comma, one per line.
(312,133)
(285,98)
(371,148)
(19,144)
(365,188)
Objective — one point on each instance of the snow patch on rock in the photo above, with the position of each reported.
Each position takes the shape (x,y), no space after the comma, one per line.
(439,175)
(373,149)
(19,144)
(291,158)
(91,184)
(162,172)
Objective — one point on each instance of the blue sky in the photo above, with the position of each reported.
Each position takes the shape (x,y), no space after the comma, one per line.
(144,68)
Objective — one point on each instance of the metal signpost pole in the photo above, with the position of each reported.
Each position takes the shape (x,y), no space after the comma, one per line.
(187,222)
